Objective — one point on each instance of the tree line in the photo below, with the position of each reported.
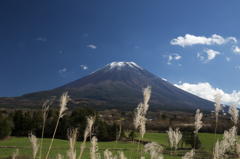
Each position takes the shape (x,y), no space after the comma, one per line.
(21,124)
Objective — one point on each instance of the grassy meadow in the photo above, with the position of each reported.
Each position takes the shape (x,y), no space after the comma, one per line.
(61,146)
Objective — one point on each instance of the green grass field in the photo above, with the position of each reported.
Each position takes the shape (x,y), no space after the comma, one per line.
(61,146)
(162,138)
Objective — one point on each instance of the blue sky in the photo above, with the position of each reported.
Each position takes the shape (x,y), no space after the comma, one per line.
(192,44)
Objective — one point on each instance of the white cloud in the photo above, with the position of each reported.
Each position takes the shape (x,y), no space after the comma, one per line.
(211,53)
(236,49)
(92,46)
(206,91)
(85,67)
(60,52)
(237,67)
(179,64)
(172,57)
(201,57)
(180,82)
(62,71)
(136,47)
(190,40)
(177,57)
(164,79)
(40,39)
(228,59)
(85,35)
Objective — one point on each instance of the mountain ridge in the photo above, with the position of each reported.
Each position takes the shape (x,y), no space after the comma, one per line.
(133,78)
(119,85)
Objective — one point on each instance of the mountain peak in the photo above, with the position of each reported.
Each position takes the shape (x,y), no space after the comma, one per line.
(119,84)
(121,65)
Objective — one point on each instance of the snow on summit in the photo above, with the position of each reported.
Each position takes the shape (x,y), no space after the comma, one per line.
(120,65)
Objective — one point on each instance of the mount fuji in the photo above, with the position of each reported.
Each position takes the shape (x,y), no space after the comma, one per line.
(119,85)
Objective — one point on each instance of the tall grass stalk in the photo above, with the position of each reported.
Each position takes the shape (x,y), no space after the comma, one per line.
(234,112)
(15,154)
(72,136)
(171,138)
(59,156)
(174,137)
(218,107)
(142,130)
(121,155)
(154,149)
(34,144)
(118,134)
(45,108)
(188,155)
(198,125)
(177,137)
(138,146)
(94,149)
(238,149)
(140,112)
(63,103)
(90,122)
(133,142)
(107,154)
(228,141)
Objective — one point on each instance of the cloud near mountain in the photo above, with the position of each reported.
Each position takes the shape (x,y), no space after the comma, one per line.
(206,91)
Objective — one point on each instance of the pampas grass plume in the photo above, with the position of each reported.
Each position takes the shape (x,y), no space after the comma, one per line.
(170,133)
(63,104)
(234,112)
(142,128)
(177,137)
(107,154)
(188,155)
(198,122)
(59,156)
(72,136)
(155,150)
(94,149)
(217,105)
(121,155)
(15,154)
(90,122)
(146,97)
(34,144)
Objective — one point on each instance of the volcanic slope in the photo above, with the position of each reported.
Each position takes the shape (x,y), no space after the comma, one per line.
(119,84)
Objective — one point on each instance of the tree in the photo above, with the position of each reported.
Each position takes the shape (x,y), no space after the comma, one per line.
(132,135)
(102,132)
(50,113)
(18,122)
(123,114)
(27,123)
(164,116)
(188,139)
(114,130)
(5,129)
(37,122)
(78,120)
(64,124)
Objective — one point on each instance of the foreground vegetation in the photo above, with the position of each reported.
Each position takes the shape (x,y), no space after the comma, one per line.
(172,143)
(61,146)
